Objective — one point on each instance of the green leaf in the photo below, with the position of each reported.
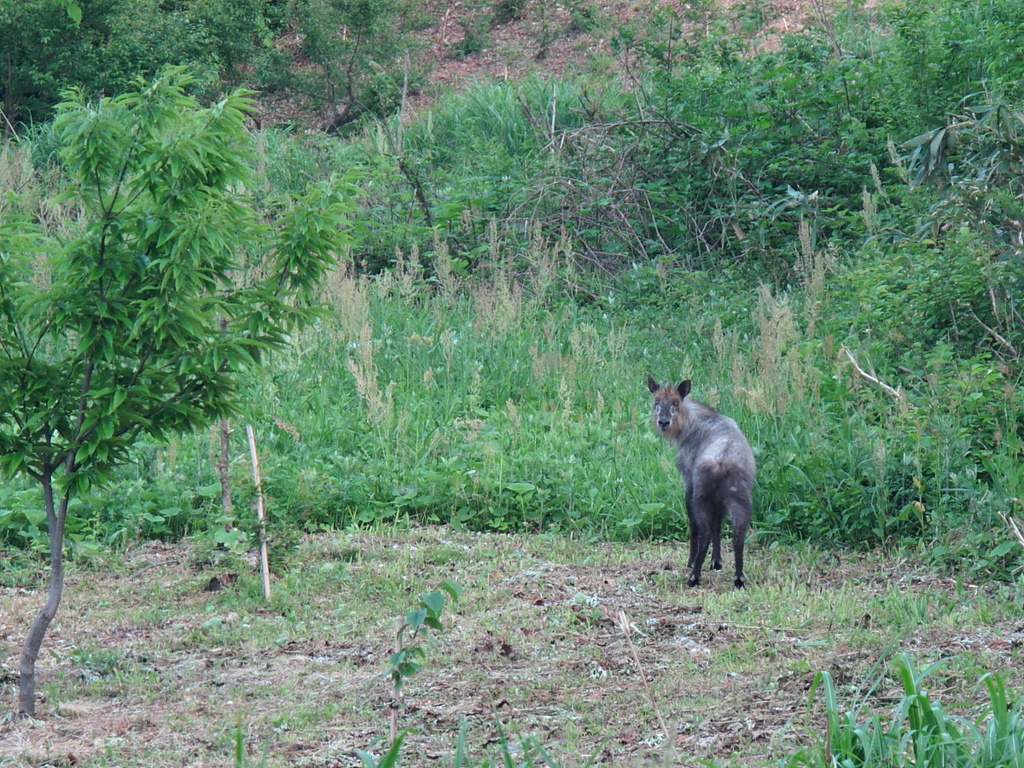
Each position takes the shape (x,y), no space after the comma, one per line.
(434,601)
(210,491)
(74,11)
(390,758)
(452,588)
(1003,549)
(917,141)
(415,618)
(521,487)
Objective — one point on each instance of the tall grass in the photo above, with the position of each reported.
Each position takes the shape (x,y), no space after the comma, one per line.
(488,406)
(495,403)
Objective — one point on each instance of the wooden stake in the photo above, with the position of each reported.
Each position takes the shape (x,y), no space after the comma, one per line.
(264,564)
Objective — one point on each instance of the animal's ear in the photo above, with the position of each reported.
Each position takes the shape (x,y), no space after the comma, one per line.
(684,388)
(652,384)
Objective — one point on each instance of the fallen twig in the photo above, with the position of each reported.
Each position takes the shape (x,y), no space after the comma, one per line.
(624,625)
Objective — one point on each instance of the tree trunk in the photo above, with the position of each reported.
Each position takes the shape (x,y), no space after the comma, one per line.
(224,462)
(223,467)
(30,652)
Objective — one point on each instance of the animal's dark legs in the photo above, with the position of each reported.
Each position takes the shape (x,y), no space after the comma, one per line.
(741,513)
(716,543)
(693,527)
(737,545)
(702,543)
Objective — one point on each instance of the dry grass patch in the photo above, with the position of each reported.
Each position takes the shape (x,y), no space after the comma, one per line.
(145,666)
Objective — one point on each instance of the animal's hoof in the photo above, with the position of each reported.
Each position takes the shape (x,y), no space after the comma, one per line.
(739,584)
(716,566)
(693,581)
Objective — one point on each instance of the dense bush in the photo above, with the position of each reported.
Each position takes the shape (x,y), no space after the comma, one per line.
(118,40)
(341,59)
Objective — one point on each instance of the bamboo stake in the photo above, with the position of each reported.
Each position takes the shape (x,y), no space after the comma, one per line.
(264,563)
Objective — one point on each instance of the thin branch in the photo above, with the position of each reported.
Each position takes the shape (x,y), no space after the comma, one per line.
(44,332)
(995,304)
(1014,527)
(998,337)
(16,326)
(895,394)
(70,465)
(7,122)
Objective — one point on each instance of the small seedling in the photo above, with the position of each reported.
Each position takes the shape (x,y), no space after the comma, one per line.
(408,657)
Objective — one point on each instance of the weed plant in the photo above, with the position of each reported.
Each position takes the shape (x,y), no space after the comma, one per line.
(919,731)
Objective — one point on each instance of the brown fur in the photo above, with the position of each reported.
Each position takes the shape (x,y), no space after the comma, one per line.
(718,471)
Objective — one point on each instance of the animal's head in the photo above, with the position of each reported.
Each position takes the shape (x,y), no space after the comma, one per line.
(667,412)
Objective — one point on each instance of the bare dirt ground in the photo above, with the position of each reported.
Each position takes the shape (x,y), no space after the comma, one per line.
(516,48)
(145,665)
(547,44)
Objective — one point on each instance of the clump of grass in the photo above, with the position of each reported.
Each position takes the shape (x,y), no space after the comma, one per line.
(812,265)
(379,402)
(16,168)
(773,377)
(919,731)
(499,301)
(346,292)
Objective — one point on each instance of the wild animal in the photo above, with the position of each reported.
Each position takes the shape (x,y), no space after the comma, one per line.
(718,472)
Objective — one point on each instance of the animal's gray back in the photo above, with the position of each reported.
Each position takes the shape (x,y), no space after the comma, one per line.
(712,442)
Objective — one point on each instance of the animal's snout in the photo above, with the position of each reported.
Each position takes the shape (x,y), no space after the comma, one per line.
(663,424)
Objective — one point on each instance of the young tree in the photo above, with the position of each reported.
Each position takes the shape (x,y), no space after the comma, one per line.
(360,49)
(119,332)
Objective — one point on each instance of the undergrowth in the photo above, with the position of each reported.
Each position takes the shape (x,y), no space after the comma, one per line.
(772,224)
(495,404)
